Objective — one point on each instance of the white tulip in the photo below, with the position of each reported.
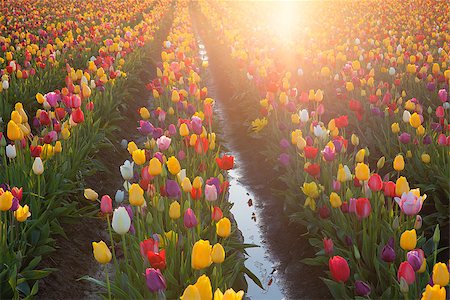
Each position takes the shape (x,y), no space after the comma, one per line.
(406,116)
(11,151)
(304,115)
(38,166)
(391,71)
(120,195)
(5,84)
(121,221)
(127,170)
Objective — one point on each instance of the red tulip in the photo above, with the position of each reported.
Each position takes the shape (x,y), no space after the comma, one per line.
(328,246)
(375,183)
(106,204)
(35,151)
(226,162)
(406,272)
(310,152)
(313,170)
(147,246)
(363,207)
(389,189)
(157,260)
(341,122)
(196,193)
(77,116)
(339,268)
(216,214)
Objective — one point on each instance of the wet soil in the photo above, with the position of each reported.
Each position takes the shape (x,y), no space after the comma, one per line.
(282,239)
(73,257)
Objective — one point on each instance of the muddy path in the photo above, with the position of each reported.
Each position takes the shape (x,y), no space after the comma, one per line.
(73,257)
(283,242)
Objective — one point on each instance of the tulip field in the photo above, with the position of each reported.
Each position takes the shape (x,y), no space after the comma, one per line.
(139,139)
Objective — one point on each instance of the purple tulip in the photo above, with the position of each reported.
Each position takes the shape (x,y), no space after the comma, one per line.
(443,95)
(214,181)
(431,86)
(404,138)
(157,133)
(336,185)
(388,254)
(159,156)
(348,240)
(196,124)
(190,109)
(284,159)
(145,127)
(155,280)
(352,205)
(284,144)
(361,288)
(189,219)
(337,145)
(172,130)
(414,259)
(15,204)
(173,189)
(181,155)
(328,153)
(436,126)
(427,140)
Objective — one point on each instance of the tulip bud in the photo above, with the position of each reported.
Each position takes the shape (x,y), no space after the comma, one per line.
(218,254)
(404,287)
(11,151)
(223,227)
(101,252)
(119,197)
(355,140)
(174,210)
(437,235)
(90,194)
(201,255)
(418,222)
(380,162)
(106,204)
(361,288)
(121,221)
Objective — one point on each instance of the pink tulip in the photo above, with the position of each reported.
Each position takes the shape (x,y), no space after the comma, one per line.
(375,183)
(163,143)
(210,192)
(409,203)
(363,208)
(106,204)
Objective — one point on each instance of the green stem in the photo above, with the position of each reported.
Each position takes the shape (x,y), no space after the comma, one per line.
(112,240)
(108,285)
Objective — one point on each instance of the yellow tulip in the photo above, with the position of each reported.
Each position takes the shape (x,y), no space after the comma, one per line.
(435,292)
(191,293)
(155,167)
(102,254)
(415,120)
(13,131)
(197,183)
(201,255)
(132,147)
(408,240)
(175,96)
(440,274)
(90,194)
(173,165)
(204,288)
(22,213)
(360,155)
(139,156)
(425,158)
(174,210)
(145,114)
(362,171)
(310,189)
(335,200)
(136,195)
(65,133)
(230,294)
(399,163)
(186,185)
(354,139)
(395,128)
(401,186)
(58,147)
(218,254)
(223,227)
(16,117)
(5,200)
(184,130)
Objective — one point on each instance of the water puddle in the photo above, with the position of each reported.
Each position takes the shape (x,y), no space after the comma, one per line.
(245,213)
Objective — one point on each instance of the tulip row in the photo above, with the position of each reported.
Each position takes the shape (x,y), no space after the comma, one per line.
(366,220)
(43,163)
(171,233)
(33,58)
